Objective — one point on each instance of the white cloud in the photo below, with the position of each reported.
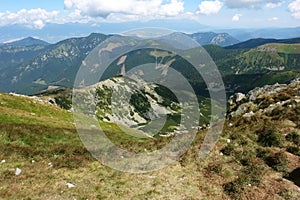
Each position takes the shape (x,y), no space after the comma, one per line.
(33,18)
(104,8)
(209,7)
(273,5)
(173,8)
(236,17)
(294,8)
(251,3)
(39,24)
(273,19)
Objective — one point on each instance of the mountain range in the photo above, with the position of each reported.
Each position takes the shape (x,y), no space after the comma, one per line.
(56,32)
(30,65)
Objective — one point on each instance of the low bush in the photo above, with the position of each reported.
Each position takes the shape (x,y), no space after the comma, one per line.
(269,137)
(214,167)
(277,161)
(250,175)
(228,150)
(294,150)
(234,188)
(262,152)
(293,137)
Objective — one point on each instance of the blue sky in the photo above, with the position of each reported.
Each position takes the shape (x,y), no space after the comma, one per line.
(36,14)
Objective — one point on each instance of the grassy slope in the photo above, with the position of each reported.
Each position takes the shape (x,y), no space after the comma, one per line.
(288,48)
(31,131)
(270,56)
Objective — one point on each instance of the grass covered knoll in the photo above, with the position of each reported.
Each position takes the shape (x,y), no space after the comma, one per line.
(241,166)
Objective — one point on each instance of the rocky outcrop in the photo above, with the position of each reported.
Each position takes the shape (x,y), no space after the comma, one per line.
(268,100)
(130,103)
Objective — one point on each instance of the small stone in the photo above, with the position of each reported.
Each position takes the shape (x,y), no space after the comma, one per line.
(70,185)
(33,161)
(3,161)
(50,164)
(93,126)
(240,97)
(228,141)
(248,115)
(230,124)
(18,172)
(221,154)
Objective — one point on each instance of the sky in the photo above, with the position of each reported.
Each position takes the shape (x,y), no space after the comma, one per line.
(37,14)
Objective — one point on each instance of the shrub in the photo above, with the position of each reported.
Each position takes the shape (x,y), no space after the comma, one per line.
(214,167)
(294,150)
(140,103)
(293,137)
(234,188)
(63,102)
(228,150)
(270,137)
(277,161)
(252,174)
(245,157)
(262,152)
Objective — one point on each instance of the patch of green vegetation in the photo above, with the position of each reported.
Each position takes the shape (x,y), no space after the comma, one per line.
(270,137)
(30,111)
(63,102)
(168,96)
(287,48)
(140,103)
(256,60)
(293,137)
(103,97)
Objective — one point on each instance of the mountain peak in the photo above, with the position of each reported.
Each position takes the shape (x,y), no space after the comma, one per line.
(28,41)
(221,39)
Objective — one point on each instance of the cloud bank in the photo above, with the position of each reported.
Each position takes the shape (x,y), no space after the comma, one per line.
(33,18)
(104,8)
(98,11)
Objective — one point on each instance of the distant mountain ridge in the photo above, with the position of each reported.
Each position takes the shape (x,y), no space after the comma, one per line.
(220,39)
(276,33)
(252,43)
(57,32)
(29,41)
(56,64)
